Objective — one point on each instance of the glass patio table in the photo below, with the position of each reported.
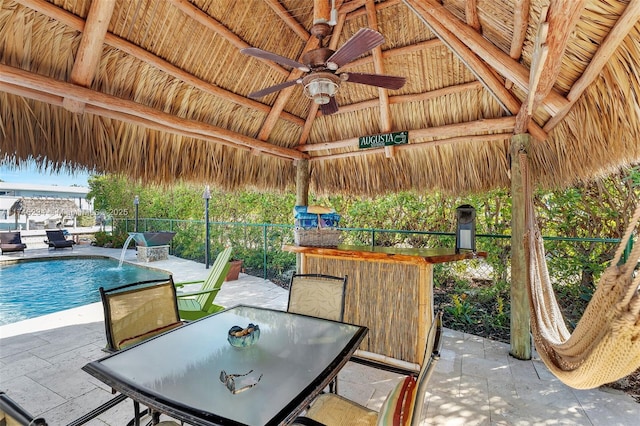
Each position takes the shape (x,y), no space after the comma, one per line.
(179,373)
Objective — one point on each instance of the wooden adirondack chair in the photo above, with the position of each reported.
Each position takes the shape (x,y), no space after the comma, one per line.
(198,304)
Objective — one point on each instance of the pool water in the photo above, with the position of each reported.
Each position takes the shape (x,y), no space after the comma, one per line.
(32,288)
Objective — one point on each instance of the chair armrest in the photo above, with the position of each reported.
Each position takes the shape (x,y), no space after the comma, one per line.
(301,420)
(196,293)
(183,283)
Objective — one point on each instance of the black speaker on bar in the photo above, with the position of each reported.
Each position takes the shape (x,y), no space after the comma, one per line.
(466,228)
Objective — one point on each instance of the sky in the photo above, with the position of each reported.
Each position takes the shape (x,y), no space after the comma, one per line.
(30,174)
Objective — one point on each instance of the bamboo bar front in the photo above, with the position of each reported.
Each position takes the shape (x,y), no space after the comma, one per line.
(389,290)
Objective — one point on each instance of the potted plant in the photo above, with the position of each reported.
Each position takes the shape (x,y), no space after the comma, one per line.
(234,269)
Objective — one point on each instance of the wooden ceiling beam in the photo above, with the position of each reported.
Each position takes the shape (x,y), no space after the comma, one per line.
(480,68)
(520,25)
(350,6)
(471,14)
(90,49)
(216,26)
(138,113)
(283,96)
(562,17)
(468,129)
(413,97)
(627,21)
(291,22)
(488,52)
(56,100)
(555,27)
(418,145)
(386,123)
(390,53)
(538,62)
(360,11)
(112,40)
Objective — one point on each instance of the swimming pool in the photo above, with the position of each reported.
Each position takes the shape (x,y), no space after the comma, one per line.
(32,288)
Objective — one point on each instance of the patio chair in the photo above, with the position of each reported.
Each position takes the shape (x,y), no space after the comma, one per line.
(403,406)
(11,413)
(138,311)
(198,304)
(320,296)
(11,242)
(57,239)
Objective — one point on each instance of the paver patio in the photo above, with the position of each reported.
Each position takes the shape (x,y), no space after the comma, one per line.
(476,382)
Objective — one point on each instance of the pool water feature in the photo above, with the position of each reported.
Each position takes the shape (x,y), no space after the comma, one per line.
(32,288)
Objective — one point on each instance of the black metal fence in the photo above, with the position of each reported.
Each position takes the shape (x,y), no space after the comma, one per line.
(570,260)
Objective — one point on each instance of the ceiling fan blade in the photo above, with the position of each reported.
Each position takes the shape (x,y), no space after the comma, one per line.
(269,90)
(379,80)
(362,41)
(329,108)
(263,54)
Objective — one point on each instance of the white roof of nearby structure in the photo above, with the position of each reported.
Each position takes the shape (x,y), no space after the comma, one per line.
(11,186)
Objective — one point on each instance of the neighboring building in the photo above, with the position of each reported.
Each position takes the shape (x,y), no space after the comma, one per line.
(42,206)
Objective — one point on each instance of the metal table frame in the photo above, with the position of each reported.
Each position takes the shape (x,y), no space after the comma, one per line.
(306,353)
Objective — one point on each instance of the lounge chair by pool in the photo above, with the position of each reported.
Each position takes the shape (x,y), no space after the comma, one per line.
(57,239)
(11,242)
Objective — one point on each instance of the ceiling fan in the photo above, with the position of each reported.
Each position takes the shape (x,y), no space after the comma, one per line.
(322,66)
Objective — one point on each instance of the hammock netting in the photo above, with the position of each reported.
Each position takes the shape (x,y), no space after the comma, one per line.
(605,345)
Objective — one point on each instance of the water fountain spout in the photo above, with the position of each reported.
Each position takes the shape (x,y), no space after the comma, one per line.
(124,249)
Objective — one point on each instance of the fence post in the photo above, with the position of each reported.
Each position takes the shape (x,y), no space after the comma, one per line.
(264,249)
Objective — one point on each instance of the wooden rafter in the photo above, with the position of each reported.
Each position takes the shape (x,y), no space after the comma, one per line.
(496,86)
(214,25)
(414,97)
(562,18)
(489,53)
(283,97)
(620,30)
(520,24)
(288,19)
(132,112)
(398,51)
(555,28)
(90,49)
(469,129)
(538,62)
(358,10)
(418,145)
(471,14)
(77,24)
(386,123)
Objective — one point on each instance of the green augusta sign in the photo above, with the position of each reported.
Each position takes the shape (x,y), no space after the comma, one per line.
(385,139)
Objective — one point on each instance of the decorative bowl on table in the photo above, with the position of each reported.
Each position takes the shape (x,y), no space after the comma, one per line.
(243,337)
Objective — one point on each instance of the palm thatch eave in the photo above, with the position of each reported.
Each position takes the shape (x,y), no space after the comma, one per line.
(586,126)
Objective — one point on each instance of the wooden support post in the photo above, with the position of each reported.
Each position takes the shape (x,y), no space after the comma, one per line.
(520,317)
(302,182)
(302,195)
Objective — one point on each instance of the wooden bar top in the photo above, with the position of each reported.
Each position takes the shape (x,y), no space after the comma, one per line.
(389,254)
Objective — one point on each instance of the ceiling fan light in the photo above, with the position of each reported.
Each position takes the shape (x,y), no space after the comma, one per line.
(321,90)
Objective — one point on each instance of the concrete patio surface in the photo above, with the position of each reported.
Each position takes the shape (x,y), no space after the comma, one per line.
(476,382)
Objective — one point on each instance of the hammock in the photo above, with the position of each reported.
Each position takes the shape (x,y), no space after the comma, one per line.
(605,345)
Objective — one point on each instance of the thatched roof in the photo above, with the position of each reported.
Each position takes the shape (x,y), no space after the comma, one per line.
(44,206)
(158,90)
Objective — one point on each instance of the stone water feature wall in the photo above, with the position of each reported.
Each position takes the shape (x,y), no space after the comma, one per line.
(152,254)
